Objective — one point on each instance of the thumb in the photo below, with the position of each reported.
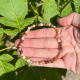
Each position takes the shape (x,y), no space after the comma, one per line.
(72,19)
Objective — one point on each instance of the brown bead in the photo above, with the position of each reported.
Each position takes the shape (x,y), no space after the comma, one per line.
(39,62)
(51,61)
(38,24)
(60,43)
(46,62)
(25,33)
(55,28)
(42,62)
(31,27)
(25,59)
(43,24)
(52,26)
(60,48)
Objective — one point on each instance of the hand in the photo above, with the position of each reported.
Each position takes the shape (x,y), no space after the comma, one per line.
(41,44)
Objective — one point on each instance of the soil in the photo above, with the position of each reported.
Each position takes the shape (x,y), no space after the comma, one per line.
(71,76)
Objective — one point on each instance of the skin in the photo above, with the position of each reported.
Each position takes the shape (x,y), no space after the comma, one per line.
(42,44)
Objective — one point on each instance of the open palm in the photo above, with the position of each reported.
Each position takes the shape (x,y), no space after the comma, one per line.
(42,44)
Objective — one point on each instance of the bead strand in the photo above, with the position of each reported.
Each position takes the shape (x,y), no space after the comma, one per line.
(44,61)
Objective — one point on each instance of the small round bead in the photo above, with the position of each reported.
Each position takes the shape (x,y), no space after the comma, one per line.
(28,60)
(19,48)
(54,26)
(22,41)
(46,62)
(22,38)
(26,32)
(29,28)
(33,25)
(36,63)
(22,54)
(33,63)
(51,61)
(60,43)
(46,24)
(36,25)
(20,45)
(39,62)
(23,35)
(42,62)
(23,57)
(59,40)
(59,34)
(49,24)
(41,24)
(60,48)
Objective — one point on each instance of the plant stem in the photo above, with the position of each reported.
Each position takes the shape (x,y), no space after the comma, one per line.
(6,48)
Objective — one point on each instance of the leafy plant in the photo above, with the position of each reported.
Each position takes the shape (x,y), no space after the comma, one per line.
(15,17)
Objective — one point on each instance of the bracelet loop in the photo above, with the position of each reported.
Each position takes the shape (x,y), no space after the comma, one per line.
(43,61)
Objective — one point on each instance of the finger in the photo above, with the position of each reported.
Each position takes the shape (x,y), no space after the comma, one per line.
(45,32)
(59,64)
(17,42)
(41,43)
(36,59)
(44,53)
(72,19)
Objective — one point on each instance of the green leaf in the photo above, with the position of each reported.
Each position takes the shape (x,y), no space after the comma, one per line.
(11,32)
(15,53)
(6,58)
(77,5)
(13,11)
(8,76)
(20,62)
(28,21)
(50,74)
(5,67)
(67,10)
(40,73)
(1,33)
(50,10)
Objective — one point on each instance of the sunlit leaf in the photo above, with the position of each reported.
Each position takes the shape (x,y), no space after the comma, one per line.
(11,32)
(15,53)
(20,62)
(67,10)
(6,58)
(1,33)
(14,12)
(50,10)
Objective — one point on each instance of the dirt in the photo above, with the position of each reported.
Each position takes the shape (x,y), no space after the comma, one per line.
(71,76)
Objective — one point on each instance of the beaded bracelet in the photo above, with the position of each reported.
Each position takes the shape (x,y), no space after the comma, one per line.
(43,61)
